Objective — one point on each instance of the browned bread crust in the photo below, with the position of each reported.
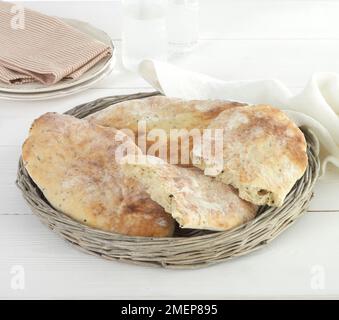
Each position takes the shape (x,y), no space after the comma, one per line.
(72,161)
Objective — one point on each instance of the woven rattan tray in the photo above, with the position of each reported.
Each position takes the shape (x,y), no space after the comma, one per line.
(188,248)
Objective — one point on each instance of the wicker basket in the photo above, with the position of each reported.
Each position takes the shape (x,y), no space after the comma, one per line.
(188,248)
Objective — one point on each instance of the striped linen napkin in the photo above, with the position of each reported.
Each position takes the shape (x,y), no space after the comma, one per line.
(44,49)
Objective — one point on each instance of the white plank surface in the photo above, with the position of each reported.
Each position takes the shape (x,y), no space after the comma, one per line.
(221,19)
(54,269)
(240,39)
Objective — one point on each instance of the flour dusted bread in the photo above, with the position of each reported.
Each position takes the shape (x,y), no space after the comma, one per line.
(264,153)
(73,162)
(194,200)
(159,112)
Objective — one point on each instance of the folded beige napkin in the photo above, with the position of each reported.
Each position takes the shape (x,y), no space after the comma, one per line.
(46,49)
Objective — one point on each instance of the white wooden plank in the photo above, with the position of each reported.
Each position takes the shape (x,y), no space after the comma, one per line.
(221,19)
(12,201)
(267,19)
(289,267)
(15,129)
(325,196)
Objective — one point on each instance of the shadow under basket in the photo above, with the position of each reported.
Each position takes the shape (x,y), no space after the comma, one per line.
(188,248)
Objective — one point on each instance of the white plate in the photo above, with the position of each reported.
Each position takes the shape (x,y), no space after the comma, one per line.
(57,93)
(96,73)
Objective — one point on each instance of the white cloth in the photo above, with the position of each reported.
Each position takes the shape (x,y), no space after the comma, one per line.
(316,106)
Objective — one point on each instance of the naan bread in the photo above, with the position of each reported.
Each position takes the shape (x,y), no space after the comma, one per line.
(163,113)
(194,200)
(73,162)
(264,153)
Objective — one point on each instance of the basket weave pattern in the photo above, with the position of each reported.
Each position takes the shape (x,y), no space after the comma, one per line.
(188,248)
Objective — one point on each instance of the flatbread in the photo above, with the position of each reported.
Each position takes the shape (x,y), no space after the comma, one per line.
(263,153)
(194,200)
(167,114)
(73,162)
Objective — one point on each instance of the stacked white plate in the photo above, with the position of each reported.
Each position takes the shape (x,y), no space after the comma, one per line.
(38,91)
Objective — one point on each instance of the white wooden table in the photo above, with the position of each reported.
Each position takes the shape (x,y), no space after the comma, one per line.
(288,40)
